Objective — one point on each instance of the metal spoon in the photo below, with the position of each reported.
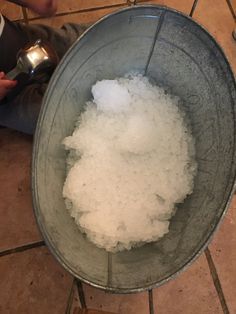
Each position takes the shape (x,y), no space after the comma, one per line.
(34,59)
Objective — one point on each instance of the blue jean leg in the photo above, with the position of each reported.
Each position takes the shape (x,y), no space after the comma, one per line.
(21,114)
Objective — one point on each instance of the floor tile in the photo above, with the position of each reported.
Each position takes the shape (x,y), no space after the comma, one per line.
(192,292)
(72,5)
(12,11)
(116,303)
(33,282)
(223,251)
(81,311)
(18,225)
(75,305)
(80,18)
(183,6)
(216,17)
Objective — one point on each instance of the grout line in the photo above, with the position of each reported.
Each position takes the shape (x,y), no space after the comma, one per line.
(70,298)
(231,9)
(81,294)
(143,1)
(216,281)
(86,10)
(25,15)
(150,301)
(195,2)
(137,2)
(22,248)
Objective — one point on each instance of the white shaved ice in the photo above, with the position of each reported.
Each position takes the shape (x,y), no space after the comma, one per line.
(132,161)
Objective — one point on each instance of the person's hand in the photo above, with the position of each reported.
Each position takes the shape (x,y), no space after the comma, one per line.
(5,85)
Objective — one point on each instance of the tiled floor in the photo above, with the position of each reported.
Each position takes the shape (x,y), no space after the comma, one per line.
(31,281)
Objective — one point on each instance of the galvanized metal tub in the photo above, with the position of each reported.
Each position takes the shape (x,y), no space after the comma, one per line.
(177,53)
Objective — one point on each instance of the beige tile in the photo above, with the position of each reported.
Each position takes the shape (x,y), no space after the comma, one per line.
(183,6)
(75,307)
(80,311)
(72,5)
(18,225)
(68,6)
(32,282)
(216,17)
(95,312)
(12,11)
(80,18)
(192,292)
(223,250)
(116,303)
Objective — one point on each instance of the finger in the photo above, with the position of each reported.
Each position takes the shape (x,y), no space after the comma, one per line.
(7,84)
(2,75)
